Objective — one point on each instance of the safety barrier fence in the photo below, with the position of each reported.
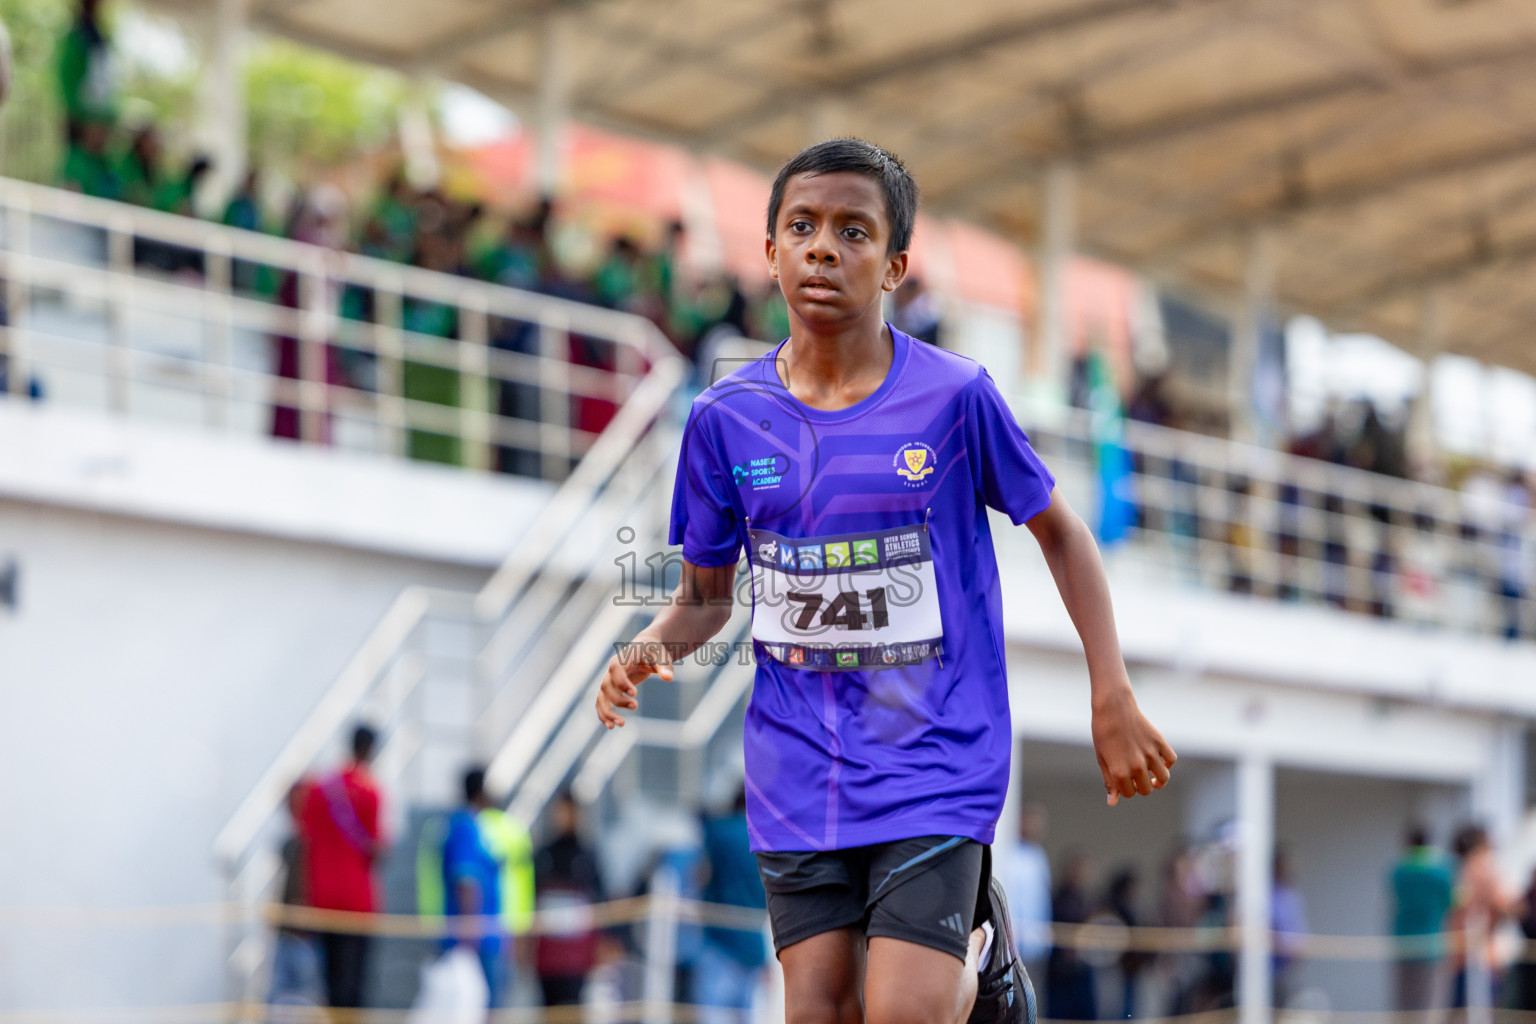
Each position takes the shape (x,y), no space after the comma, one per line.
(634,909)
(659,916)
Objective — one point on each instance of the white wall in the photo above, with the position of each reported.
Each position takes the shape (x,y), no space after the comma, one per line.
(150,673)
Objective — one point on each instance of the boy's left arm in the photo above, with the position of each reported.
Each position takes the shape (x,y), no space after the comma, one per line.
(1132,754)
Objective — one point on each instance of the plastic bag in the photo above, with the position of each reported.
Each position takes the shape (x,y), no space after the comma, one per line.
(453,990)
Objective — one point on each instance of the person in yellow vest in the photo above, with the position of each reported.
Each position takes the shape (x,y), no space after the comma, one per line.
(509,843)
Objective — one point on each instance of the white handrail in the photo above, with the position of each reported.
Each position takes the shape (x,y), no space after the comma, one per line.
(634,418)
(254,247)
(329,715)
(97,264)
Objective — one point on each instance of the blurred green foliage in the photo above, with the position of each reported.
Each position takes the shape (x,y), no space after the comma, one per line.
(306,108)
(31,142)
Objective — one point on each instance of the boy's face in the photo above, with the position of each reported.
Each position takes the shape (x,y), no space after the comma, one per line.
(829,248)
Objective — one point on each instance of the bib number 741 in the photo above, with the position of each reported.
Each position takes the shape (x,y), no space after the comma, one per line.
(846,610)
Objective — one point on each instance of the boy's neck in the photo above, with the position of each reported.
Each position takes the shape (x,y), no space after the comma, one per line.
(832,370)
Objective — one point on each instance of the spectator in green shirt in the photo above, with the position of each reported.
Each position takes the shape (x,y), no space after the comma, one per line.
(87,81)
(1422,889)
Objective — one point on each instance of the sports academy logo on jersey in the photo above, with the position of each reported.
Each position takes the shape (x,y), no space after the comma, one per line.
(915,463)
(761,474)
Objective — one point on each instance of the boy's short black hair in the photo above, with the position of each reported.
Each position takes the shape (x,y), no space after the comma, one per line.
(862,158)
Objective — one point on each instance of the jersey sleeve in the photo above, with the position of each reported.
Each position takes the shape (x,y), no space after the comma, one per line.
(704,520)
(1008,473)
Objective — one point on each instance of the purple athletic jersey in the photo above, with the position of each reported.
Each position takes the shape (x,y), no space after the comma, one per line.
(880,707)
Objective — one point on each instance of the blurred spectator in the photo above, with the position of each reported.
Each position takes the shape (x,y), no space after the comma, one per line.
(661,267)
(730,964)
(389,228)
(313,219)
(243,210)
(511,845)
(439,248)
(1524,980)
(916,313)
(685,865)
(472,885)
(1421,897)
(1183,900)
(1288,922)
(147,179)
(1514,559)
(88,165)
(1025,871)
(295,958)
(565,874)
(1120,901)
(618,277)
(511,258)
(87,76)
(1481,904)
(1070,984)
(342,817)
(1149,404)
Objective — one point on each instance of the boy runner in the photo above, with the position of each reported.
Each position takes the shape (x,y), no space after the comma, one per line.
(856,466)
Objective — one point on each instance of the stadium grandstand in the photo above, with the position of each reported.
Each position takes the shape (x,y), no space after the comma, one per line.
(1253,277)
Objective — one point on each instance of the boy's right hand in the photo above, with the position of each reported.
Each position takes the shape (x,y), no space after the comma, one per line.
(640,660)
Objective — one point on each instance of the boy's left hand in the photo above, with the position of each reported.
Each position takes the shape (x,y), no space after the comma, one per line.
(1132,754)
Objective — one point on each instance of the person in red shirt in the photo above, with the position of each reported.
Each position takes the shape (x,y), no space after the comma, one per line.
(343,843)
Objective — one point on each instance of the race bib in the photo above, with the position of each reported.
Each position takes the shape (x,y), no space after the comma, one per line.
(853,602)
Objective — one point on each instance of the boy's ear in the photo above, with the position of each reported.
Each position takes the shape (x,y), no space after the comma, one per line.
(895,271)
(773,257)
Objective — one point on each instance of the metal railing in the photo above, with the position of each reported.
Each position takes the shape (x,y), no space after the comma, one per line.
(145,314)
(1210,513)
(505,646)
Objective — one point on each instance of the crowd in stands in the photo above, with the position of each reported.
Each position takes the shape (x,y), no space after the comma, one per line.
(521,910)
(1466,566)
(1433,897)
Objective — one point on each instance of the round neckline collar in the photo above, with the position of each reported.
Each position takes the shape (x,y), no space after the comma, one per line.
(900,344)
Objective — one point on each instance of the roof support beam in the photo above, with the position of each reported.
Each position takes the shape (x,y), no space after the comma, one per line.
(966,48)
(1349,193)
(1095,141)
(1439,275)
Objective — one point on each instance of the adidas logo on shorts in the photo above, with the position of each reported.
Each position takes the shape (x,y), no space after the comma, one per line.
(954,922)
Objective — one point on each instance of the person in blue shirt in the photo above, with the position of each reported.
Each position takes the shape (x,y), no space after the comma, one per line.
(730,965)
(855,469)
(472,883)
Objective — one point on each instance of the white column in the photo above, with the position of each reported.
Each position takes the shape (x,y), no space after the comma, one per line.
(1255,879)
(1421,417)
(1058,229)
(556,81)
(223,101)
(1498,793)
(1258,306)
(418,143)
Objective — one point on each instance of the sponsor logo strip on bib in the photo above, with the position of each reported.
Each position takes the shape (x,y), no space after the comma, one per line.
(849,602)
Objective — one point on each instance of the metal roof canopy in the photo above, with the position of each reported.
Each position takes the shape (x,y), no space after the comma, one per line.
(1386,149)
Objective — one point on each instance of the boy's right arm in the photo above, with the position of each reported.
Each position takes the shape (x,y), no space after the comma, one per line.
(699,608)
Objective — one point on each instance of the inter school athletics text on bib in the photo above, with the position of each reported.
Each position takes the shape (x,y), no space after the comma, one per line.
(850,602)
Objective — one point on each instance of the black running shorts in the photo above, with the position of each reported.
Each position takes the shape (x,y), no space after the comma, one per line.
(918,890)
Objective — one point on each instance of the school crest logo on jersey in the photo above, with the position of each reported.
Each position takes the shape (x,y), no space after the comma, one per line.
(915,462)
